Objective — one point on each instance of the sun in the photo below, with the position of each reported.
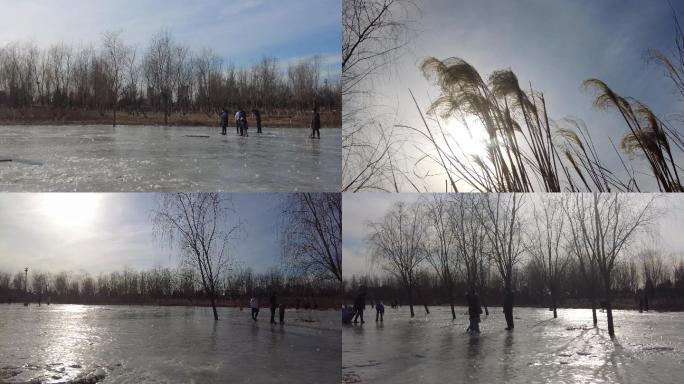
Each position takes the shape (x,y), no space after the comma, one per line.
(70,209)
(465,144)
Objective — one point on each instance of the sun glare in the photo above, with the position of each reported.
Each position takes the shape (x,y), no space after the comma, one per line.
(465,145)
(70,209)
(471,142)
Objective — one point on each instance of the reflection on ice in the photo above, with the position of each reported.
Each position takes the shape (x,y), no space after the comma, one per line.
(120,344)
(648,347)
(145,158)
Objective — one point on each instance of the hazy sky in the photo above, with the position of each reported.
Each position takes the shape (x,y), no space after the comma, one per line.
(105,232)
(241,31)
(363,208)
(555,45)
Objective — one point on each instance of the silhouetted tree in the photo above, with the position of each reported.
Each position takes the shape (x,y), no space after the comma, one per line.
(203,225)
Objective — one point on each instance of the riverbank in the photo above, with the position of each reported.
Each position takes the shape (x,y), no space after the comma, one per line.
(319,303)
(69,116)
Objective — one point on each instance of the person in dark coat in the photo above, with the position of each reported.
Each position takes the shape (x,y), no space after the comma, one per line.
(508,309)
(379,311)
(359,306)
(281,313)
(257,118)
(224,121)
(274,307)
(474,311)
(315,124)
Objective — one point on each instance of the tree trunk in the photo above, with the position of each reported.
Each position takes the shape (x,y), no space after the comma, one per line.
(609,314)
(451,303)
(554,304)
(420,296)
(410,300)
(609,305)
(166,111)
(213,305)
(114,123)
(484,303)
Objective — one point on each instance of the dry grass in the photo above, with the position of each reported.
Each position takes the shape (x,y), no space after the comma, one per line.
(65,116)
(526,150)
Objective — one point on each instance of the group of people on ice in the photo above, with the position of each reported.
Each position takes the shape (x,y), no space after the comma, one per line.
(242,126)
(475,310)
(276,305)
(353,314)
(273,305)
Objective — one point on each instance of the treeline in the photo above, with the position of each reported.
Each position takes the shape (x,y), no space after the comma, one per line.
(653,276)
(160,285)
(165,77)
(575,249)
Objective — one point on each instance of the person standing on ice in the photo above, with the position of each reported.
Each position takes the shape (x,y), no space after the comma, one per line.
(241,122)
(254,304)
(379,311)
(224,121)
(281,313)
(237,120)
(274,306)
(257,118)
(474,311)
(315,124)
(508,309)
(359,306)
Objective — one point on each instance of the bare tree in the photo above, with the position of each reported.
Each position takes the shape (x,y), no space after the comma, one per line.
(312,234)
(546,244)
(397,243)
(503,220)
(441,244)
(582,250)
(202,225)
(374,34)
(471,240)
(160,69)
(607,228)
(117,56)
(652,269)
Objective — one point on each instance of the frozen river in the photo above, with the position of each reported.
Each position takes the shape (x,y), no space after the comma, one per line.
(648,348)
(120,344)
(146,158)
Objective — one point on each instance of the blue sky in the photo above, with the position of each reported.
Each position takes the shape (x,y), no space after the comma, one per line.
(241,31)
(552,44)
(105,232)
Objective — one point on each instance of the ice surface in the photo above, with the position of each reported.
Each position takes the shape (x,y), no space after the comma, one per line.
(121,344)
(648,348)
(146,158)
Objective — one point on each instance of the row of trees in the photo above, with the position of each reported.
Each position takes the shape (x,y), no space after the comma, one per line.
(649,275)
(502,242)
(203,227)
(164,77)
(154,285)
